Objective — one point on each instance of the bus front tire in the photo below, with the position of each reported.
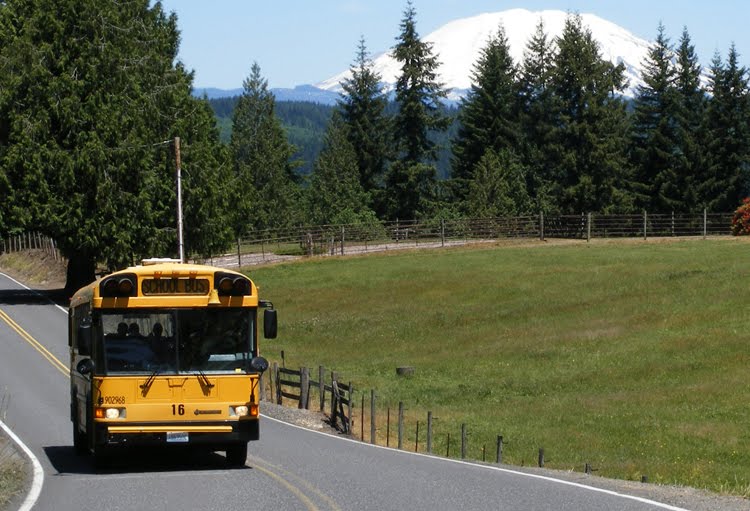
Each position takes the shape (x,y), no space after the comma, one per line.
(236,455)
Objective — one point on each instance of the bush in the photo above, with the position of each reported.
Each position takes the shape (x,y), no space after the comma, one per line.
(741,219)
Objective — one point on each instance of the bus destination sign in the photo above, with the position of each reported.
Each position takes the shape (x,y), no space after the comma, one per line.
(177,286)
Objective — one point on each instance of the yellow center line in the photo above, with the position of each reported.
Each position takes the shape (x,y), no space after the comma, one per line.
(289,486)
(256,462)
(56,363)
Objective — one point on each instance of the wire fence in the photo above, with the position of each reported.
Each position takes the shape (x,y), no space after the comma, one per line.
(327,240)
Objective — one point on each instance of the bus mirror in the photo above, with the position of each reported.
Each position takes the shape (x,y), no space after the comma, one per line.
(84,339)
(258,364)
(269,323)
(85,366)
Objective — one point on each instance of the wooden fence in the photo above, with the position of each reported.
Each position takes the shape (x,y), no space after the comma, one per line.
(30,241)
(297,386)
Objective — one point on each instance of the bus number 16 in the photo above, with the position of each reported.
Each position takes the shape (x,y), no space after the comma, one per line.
(178,409)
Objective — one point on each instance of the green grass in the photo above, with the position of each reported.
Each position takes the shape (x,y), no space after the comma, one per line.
(630,356)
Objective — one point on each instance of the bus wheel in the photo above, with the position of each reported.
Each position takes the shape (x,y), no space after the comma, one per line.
(236,455)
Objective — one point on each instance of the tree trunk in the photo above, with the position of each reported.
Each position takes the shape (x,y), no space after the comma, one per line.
(81,271)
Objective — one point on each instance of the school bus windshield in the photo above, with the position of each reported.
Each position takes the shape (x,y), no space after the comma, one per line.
(176,340)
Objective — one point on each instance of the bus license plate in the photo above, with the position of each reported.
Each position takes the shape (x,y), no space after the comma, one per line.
(177,436)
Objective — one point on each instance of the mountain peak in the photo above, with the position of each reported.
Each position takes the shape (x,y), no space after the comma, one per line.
(457,45)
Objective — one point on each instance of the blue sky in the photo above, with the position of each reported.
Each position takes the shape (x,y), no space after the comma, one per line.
(306,41)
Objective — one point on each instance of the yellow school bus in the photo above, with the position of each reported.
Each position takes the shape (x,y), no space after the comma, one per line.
(166,353)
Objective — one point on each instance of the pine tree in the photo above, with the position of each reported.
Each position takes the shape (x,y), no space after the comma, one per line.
(655,131)
(538,119)
(590,140)
(410,184)
(363,110)
(89,92)
(727,136)
(691,107)
(489,114)
(498,186)
(265,191)
(335,195)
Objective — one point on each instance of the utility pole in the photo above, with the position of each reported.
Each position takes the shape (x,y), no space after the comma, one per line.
(180,243)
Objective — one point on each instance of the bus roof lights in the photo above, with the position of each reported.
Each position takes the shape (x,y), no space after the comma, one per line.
(159,260)
(118,286)
(232,285)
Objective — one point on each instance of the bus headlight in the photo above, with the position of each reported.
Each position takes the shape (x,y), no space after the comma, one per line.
(240,411)
(109,413)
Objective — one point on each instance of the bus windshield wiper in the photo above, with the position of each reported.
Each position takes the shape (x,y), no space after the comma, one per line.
(203,379)
(146,386)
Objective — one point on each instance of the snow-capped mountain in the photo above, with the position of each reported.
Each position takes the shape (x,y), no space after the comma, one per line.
(458,43)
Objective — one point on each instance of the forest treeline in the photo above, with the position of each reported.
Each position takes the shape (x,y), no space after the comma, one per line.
(93,98)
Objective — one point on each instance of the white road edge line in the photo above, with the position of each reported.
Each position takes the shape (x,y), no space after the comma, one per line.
(38,480)
(498,469)
(35,292)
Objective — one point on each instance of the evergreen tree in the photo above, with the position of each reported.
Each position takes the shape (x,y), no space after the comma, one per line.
(655,132)
(489,113)
(591,135)
(265,190)
(498,186)
(727,136)
(363,110)
(538,119)
(335,195)
(88,92)
(410,184)
(691,106)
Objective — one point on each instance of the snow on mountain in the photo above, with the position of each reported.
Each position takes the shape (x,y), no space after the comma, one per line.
(457,45)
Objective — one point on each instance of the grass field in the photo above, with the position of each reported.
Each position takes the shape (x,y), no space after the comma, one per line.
(632,356)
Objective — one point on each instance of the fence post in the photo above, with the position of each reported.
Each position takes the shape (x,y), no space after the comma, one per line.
(372,416)
(673,222)
(541,226)
(705,223)
(334,379)
(342,239)
(541,457)
(322,387)
(442,232)
(276,382)
(499,449)
(645,220)
(388,427)
(304,388)
(416,441)
(239,254)
(463,441)
(588,227)
(351,398)
(429,432)
(400,424)
(262,387)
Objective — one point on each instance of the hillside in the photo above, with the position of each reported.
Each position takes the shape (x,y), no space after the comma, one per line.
(629,356)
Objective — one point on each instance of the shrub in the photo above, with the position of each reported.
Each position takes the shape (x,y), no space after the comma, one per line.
(741,219)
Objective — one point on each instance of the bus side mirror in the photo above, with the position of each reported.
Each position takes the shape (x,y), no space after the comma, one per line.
(85,366)
(270,323)
(84,339)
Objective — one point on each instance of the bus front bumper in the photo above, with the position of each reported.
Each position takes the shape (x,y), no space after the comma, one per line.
(210,435)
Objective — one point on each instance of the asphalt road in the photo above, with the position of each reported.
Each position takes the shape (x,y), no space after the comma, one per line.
(288,469)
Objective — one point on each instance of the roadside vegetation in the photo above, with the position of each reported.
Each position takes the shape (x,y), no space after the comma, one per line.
(11,475)
(631,356)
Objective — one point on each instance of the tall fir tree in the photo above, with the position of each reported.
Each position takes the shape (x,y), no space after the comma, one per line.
(362,107)
(497,187)
(691,107)
(727,136)
(489,113)
(538,119)
(88,92)
(266,194)
(335,195)
(410,183)
(591,135)
(655,137)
